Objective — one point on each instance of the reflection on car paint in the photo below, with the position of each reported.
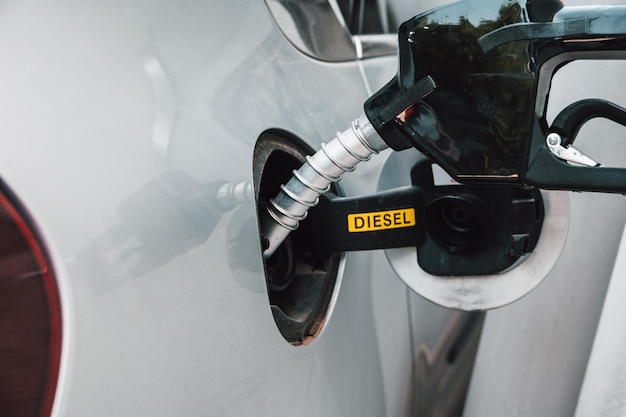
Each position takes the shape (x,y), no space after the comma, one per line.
(164,102)
(166,218)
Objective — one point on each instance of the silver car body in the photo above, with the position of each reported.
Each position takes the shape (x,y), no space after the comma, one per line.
(101,98)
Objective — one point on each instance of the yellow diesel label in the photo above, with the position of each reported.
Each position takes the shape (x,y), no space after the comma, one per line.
(381,220)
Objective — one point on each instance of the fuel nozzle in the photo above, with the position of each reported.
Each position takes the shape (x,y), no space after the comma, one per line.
(471,94)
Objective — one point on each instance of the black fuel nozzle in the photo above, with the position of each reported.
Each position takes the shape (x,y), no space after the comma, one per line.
(472,86)
(471,94)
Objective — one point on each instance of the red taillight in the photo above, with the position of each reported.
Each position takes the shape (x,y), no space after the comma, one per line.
(30,317)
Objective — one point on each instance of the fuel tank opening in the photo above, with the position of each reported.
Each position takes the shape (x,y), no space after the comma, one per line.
(300,281)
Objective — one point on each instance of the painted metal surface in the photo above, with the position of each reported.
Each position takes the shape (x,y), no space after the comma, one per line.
(604,388)
(103,104)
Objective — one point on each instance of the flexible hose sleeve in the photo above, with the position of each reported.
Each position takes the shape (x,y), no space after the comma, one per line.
(291,205)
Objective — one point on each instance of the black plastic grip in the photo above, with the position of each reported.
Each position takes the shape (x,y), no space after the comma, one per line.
(571,119)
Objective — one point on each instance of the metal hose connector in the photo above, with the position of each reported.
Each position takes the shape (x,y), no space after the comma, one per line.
(315,176)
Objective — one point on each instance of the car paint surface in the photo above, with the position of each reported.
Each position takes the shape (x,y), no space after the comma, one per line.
(103,102)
